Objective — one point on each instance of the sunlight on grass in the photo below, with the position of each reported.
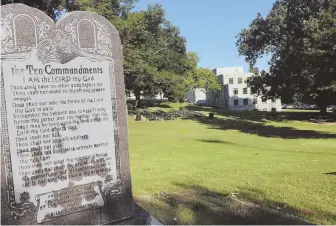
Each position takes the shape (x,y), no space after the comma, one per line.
(283,164)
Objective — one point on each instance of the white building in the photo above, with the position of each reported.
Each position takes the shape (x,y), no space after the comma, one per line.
(196,96)
(235,95)
(158,96)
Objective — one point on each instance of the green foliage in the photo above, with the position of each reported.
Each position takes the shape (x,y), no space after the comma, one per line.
(172,85)
(205,78)
(155,56)
(199,77)
(110,9)
(51,7)
(154,51)
(300,36)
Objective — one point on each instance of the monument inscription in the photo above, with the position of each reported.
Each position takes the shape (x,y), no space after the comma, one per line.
(54,112)
(63,119)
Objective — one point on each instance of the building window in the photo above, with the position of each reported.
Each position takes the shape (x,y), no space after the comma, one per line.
(255,100)
(244,90)
(235,102)
(230,80)
(240,80)
(245,101)
(235,91)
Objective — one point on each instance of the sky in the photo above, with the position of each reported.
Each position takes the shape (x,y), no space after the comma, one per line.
(210,27)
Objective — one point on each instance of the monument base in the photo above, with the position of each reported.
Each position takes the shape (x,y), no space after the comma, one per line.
(140,217)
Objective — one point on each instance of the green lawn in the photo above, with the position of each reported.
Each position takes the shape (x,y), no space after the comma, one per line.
(185,171)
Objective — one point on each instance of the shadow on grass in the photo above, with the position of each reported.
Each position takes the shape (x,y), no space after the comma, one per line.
(257,116)
(257,197)
(163,106)
(331,173)
(265,149)
(216,141)
(261,129)
(144,104)
(198,205)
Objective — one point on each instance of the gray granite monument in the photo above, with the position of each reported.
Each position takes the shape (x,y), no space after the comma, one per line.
(64,136)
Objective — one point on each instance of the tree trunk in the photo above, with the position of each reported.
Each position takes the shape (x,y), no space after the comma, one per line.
(137,93)
(322,101)
(323,109)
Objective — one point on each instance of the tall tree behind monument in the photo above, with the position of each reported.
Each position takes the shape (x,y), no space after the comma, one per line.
(153,48)
(50,7)
(300,36)
(53,8)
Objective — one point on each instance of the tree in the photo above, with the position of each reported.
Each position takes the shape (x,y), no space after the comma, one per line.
(197,77)
(152,46)
(51,8)
(110,9)
(300,36)
(172,85)
(253,70)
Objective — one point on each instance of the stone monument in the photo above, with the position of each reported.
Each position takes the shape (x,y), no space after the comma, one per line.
(64,137)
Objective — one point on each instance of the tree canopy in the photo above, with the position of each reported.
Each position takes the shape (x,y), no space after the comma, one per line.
(300,36)
(197,77)
(153,47)
(155,57)
(50,7)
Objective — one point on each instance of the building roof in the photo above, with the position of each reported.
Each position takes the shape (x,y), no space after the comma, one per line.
(244,74)
(228,70)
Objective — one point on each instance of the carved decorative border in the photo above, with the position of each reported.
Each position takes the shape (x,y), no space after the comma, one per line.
(5,142)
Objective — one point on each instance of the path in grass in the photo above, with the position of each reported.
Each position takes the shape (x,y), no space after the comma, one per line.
(289,165)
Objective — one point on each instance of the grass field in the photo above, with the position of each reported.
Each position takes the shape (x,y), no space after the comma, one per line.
(241,168)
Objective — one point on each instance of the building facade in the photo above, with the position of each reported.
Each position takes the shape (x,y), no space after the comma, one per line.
(196,96)
(235,94)
(157,96)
